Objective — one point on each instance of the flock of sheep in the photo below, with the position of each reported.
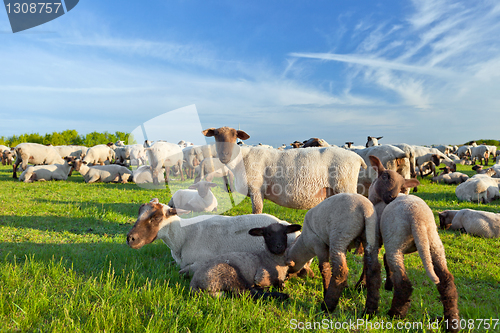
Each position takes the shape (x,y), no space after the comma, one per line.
(358,197)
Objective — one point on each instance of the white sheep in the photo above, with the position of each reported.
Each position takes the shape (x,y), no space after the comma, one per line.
(425,154)
(372,141)
(239,271)
(315,142)
(407,225)
(451,178)
(103,173)
(479,188)
(480,153)
(350,145)
(137,155)
(47,172)
(201,238)
(464,151)
(144,175)
(474,222)
(74,151)
(164,154)
(197,198)
(100,154)
(330,229)
(296,178)
(34,153)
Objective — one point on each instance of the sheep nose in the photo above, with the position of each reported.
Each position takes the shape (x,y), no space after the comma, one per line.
(130,239)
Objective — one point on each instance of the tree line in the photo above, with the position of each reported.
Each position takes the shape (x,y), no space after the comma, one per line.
(67,137)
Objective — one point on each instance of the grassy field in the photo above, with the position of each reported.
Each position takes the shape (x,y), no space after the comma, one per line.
(65,267)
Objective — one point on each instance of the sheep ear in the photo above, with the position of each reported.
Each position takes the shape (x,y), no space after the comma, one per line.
(242,135)
(177,211)
(376,164)
(154,201)
(380,137)
(193,187)
(256,232)
(209,132)
(212,184)
(411,183)
(293,228)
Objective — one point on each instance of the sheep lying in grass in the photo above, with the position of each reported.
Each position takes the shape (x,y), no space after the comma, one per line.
(239,271)
(493,171)
(479,188)
(47,172)
(474,222)
(449,177)
(197,198)
(407,225)
(36,154)
(103,173)
(330,229)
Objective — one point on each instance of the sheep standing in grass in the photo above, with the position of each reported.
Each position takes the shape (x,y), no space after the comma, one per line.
(239,271)
(480,153)
(103,173)
(7,157)
(100,154)
(474,222)
(47,172)
(197,198)
(330,229)
(407,225)
(295,178)
(201,238)
(164,155)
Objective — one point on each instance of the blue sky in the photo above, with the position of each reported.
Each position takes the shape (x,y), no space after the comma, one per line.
(419,72)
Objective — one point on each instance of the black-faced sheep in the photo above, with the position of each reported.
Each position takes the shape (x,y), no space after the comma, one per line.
(474,222)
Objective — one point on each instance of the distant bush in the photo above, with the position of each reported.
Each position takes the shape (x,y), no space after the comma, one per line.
(68,137)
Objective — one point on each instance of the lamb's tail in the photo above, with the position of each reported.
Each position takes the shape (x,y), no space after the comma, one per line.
(372,231)
(419,231)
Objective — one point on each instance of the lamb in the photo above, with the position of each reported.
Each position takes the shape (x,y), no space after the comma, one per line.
(480,153)
(144,175)
(100,154)
(239,271)
(449,177)
(213,167)
(373,141)
(34,153)
(426,169)
(47,172)
(492,171)
(330,229)
(295,178)
(195,240)
(315,142)
(424,154)
(407,225)
(197,198)
(479,188)
(478,223)
(7,157)
(164,154)
(350,145)
(103,173)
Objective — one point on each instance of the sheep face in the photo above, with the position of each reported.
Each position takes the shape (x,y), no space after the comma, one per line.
(389,184)
(151,218)
(275,236)
(202,187)
(445,219)
(225,139)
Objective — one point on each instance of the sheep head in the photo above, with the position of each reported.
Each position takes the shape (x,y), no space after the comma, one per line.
(225,140)
(275,236)
(202,187)
(445,218)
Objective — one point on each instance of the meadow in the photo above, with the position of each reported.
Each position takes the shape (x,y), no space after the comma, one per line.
(65,267)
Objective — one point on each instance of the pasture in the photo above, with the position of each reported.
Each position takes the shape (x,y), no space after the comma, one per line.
(65,267)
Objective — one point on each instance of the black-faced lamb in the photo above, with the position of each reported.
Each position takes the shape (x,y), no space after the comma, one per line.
(239,271)
(474,222)
(407,225)
(330,229)
(295,178)
(196,198)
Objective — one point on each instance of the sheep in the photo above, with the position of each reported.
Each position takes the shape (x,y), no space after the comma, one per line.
(6,157)
(295,178)
(480,153)
(239,271)
(449,177)
(425,154)
(74,151)
(392,157)
(478,223)
(372,141)
(164,154)
(350,145)
(47,172)
(213,167)
(492,150)
(34,153)
(100,154)
(198,239)
(330,229)
(144,175)
(407,225)
(315,142)
(410,154)
(492,171)
(137,155)
(103,173)
(479,188)
(444,149)
(464,151)
(197,198)
(426,169)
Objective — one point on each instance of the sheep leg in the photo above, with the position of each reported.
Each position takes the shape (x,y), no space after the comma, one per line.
(338,280)
(227,185)
(180,169)
(257,202)
(93,179)
(167,175)
(448,291)
(372,268)
(402,286)
(388,279)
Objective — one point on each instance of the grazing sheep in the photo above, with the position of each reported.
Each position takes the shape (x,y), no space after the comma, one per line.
(372,141)
(100,154)
(478,223)
(144,175)
(479,188)
(164,154)
(239,271)
(7,157)
(330,229)
(407,225)
(36,154)
(197,198)
(47,172)
(480,153)
(295,178)
(200,238)
(103,173)
(213,167)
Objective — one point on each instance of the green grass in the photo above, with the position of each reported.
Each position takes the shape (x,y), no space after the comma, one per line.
(65,267)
